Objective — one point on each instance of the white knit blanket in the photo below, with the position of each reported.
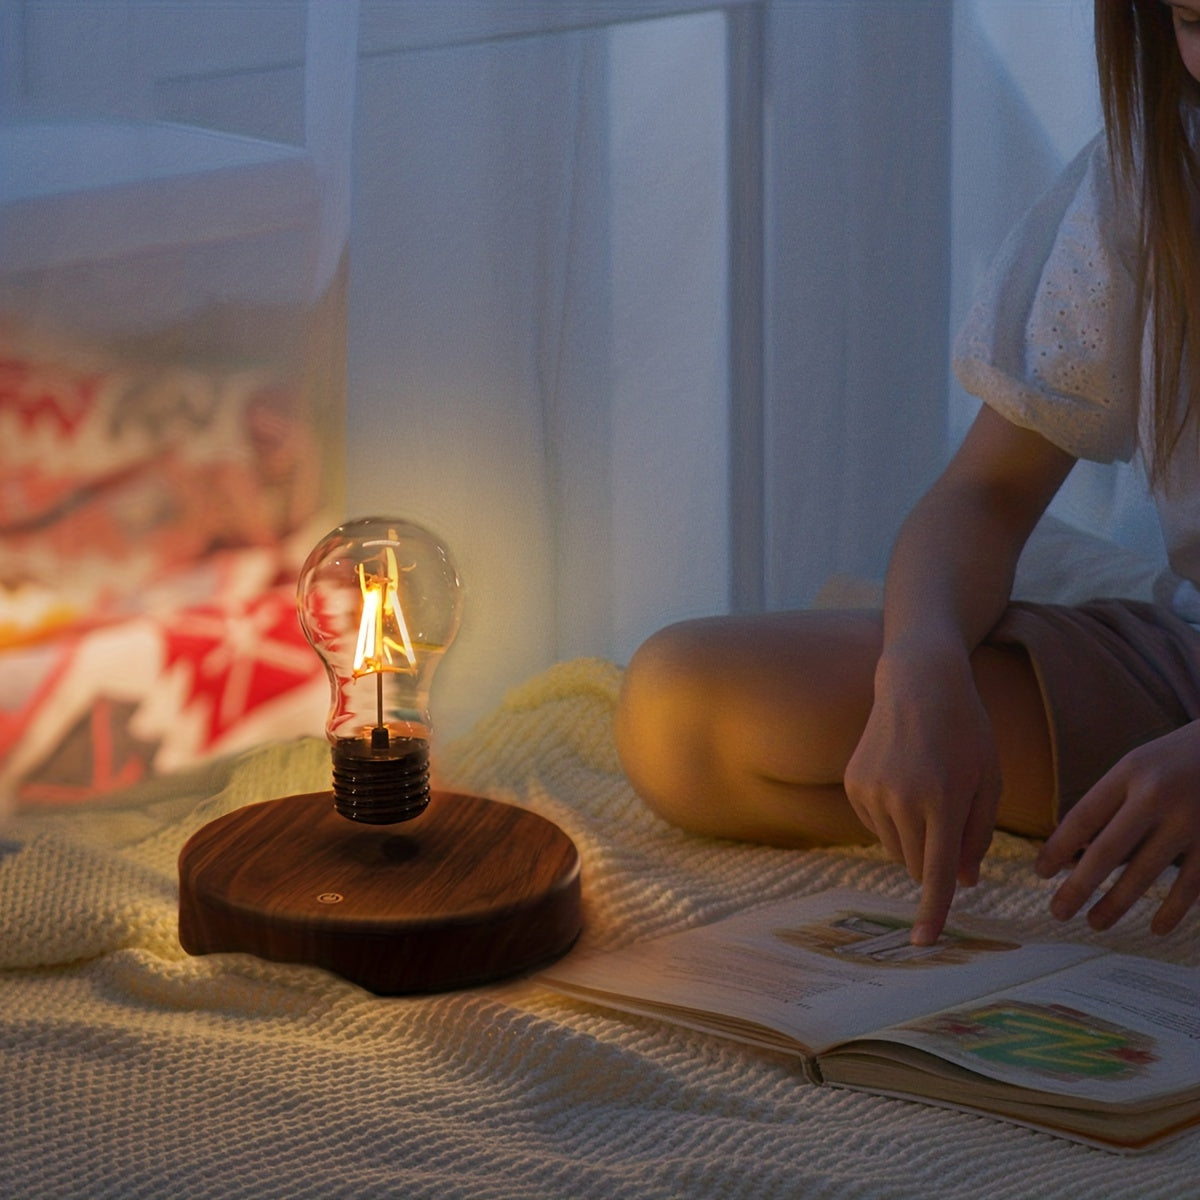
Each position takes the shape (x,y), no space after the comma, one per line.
(131,1070)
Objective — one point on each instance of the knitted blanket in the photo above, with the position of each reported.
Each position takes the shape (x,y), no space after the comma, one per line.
(128,1069)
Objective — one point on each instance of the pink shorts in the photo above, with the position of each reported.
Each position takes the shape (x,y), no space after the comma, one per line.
(1113,674)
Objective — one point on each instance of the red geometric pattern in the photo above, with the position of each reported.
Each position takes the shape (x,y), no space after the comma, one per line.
(97,755)
(238,658)
(103,709)
(34,393)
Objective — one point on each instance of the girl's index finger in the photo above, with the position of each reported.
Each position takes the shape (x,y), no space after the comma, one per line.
(939,879)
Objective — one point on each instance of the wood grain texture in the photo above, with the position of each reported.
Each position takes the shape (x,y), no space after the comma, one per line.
(471,891)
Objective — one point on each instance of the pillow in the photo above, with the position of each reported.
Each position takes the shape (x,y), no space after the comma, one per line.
(95,711)
(114,476)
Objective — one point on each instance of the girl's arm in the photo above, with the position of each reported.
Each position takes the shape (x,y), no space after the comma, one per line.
(924,777)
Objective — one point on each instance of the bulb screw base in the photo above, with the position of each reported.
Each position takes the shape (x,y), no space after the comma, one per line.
(380,784)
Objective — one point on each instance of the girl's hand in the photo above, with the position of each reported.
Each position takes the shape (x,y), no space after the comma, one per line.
(925,778)
(1144,813)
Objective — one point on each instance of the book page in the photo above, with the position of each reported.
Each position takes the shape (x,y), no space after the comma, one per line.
(1115,1029)
(811,971)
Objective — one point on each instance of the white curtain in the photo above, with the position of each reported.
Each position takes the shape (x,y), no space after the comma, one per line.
(174,189)
(539,366)
(858,267)
(648,309)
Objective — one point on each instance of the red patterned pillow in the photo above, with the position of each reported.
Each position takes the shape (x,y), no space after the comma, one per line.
(94,711)
(113,478)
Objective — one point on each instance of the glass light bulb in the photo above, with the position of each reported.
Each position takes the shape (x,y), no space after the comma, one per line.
(379,600)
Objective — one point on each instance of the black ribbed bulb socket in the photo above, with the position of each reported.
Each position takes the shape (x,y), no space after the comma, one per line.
(381,779)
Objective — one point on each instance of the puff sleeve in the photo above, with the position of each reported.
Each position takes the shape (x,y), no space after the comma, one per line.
(1051,342)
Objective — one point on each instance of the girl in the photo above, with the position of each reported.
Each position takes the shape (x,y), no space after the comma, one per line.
(955,710)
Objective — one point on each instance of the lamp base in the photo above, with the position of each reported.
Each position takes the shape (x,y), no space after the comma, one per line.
(471,891)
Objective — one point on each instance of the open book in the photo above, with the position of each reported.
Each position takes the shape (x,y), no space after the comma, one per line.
(1103,1048)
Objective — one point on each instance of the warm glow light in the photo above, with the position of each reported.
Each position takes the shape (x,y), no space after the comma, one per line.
(382,629)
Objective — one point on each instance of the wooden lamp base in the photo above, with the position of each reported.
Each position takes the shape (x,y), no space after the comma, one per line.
(469,892)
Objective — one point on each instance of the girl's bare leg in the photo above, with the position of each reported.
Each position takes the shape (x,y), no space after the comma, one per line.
(741,727)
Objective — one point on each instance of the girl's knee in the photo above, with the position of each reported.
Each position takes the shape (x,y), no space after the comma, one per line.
(663,722)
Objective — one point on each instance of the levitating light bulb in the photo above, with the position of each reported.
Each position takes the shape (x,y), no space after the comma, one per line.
(379,600)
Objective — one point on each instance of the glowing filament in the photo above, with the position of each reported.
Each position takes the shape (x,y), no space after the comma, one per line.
(382,630)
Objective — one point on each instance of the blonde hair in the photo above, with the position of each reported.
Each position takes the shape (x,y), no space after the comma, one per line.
(1147,93)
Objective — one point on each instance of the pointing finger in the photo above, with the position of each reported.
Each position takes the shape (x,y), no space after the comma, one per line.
(937,890)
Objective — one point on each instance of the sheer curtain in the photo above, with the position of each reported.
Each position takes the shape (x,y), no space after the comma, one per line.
(648,303)
(174,182)
(858,267)
(134,100)
(539,324)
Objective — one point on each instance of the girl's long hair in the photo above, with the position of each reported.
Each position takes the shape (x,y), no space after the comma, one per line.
(1147,94)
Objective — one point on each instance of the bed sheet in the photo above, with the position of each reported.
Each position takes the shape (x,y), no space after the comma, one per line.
(128,1069)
